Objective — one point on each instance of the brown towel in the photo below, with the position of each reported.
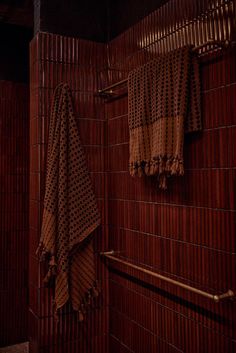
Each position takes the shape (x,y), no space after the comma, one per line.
(164,102)
(70,211)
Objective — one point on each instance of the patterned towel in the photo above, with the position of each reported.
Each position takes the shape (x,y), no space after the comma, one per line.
(164,102)
(70,211)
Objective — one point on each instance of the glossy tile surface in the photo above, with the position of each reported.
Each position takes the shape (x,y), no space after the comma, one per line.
(14,211)
(186,232)
(56,59)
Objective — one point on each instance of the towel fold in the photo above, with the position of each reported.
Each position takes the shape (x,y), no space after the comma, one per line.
(163,103)
(70,211)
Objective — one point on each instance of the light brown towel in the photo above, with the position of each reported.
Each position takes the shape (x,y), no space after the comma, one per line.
(164,102)
(70,211)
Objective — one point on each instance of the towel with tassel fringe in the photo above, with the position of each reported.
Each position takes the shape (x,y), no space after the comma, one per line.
(70,211)
(163,104)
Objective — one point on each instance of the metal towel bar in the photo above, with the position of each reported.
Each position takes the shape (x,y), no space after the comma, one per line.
(108,91)
(215,297)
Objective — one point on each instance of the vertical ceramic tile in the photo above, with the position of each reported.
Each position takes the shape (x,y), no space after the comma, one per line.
(187,231)
(14,211)
(73,61)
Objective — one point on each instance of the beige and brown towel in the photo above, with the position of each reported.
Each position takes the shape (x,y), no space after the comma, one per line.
(163,102)
(70,211)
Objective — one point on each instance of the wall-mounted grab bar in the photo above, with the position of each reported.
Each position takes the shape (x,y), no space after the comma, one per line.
(108,91)
(215,297)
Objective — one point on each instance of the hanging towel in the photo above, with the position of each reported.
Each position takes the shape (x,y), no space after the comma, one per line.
(70,211)
(163,103)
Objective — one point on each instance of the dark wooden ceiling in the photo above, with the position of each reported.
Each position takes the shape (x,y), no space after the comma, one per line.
(90,19)
(125,13)
(17,12)
(97,20)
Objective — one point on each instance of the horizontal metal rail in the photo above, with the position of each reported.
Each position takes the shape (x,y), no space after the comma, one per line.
(108,91)
(215,297)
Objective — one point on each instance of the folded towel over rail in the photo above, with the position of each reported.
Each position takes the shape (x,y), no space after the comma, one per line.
(70,211)
(164,103)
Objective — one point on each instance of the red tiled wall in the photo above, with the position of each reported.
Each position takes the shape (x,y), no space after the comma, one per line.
(81,64)
(186,232)
(14,170)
